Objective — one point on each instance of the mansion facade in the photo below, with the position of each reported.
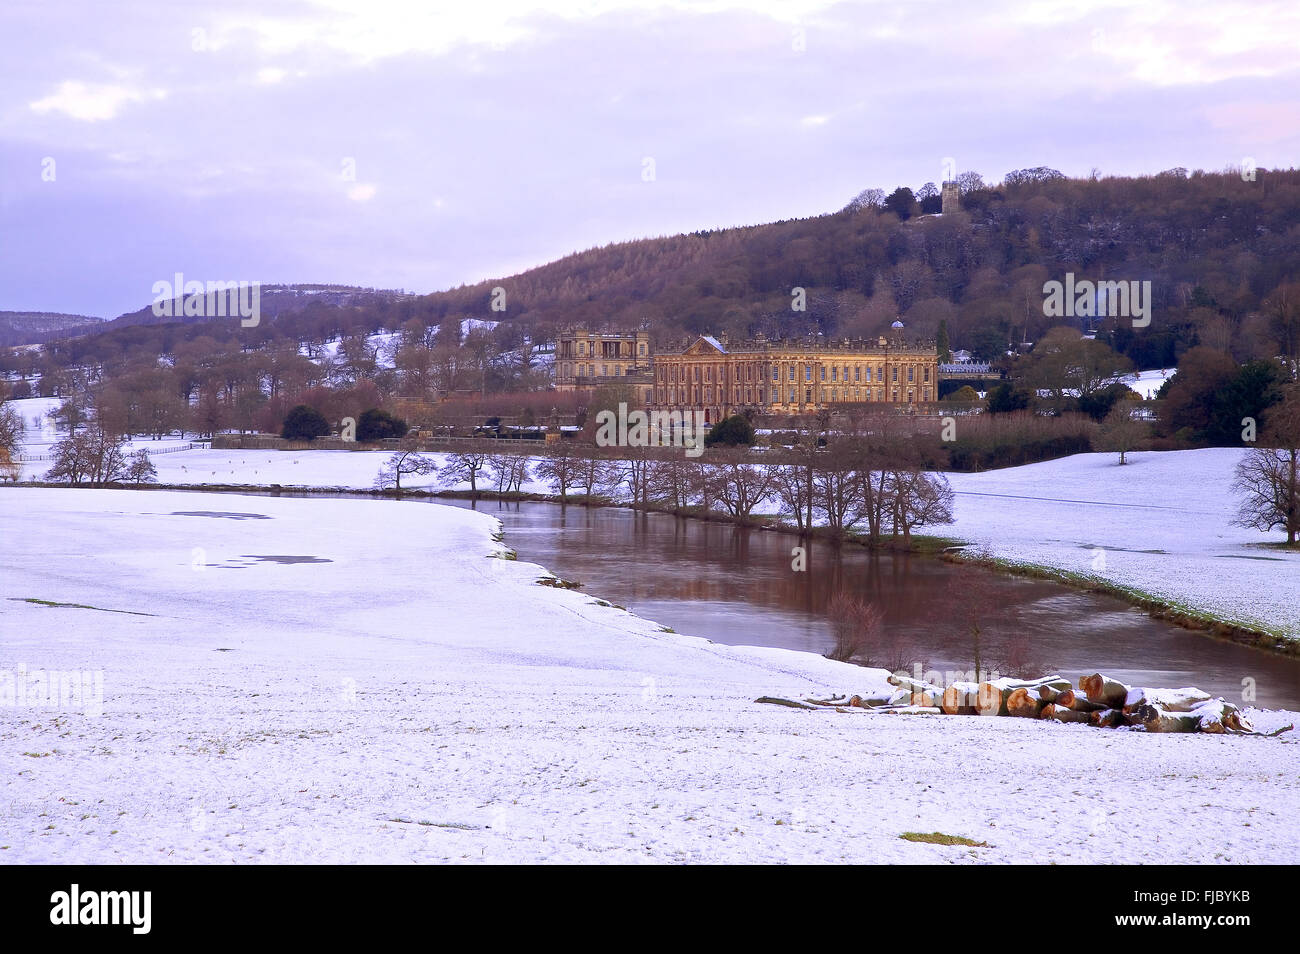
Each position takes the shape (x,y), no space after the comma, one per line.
(790,377)
(585,360)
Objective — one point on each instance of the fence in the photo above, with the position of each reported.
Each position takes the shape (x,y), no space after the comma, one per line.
(192,445)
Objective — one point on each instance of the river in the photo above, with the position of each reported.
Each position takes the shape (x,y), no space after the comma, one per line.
(736,585)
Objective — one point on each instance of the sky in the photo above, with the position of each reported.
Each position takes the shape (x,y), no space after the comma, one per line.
(425,145)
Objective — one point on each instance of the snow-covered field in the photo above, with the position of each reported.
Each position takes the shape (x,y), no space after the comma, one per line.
(1161,524)
(1147,383)
(354,680)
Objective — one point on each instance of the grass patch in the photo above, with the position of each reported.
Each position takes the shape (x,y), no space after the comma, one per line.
(939,838)
(558,583)
(923,543)
(99,609)
(459,826)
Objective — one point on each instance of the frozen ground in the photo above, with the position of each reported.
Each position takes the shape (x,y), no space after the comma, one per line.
(413,700)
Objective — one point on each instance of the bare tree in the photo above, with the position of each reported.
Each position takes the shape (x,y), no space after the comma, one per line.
(558,468)
(93,455)
(702,482)
(670,479)
(740,486)
(790,484)
(861,635)
(635,471)
(508,470)
(857,626)
(1268,477)
(919,500)
(1121,432)
(840,486)
(11,430)
(464,468)
(140,469)
(594,474)
(405,462)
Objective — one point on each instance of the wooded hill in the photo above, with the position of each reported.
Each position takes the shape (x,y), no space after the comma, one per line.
(1214,247)
(31,327)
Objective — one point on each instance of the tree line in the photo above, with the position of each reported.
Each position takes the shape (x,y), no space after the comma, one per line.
(868,483)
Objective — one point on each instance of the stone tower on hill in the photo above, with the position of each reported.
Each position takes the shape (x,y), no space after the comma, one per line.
(951,198)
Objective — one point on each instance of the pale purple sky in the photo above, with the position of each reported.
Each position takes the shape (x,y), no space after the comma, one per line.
(216,139)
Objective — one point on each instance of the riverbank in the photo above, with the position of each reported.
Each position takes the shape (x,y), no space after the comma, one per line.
(326,680)
(1156,533)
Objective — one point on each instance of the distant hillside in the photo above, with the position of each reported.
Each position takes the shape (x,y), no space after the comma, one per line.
(275,300)
(33,327)
(1214,246)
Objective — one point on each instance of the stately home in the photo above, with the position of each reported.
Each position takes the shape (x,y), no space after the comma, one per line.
(794,377)
(584,360)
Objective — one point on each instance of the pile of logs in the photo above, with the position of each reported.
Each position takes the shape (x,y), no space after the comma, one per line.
(1097,701)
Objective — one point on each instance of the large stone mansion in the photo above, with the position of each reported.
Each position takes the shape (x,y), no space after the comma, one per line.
(766,376)
(584,360)
(794,377)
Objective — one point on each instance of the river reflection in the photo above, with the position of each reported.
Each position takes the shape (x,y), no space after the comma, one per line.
(735,585)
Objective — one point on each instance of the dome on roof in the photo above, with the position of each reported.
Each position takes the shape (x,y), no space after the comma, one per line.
(896,324)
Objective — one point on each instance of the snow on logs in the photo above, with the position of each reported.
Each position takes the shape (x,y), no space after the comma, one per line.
(1098,701)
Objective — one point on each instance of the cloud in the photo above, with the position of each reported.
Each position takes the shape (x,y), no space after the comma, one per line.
(519,127)
(91,102)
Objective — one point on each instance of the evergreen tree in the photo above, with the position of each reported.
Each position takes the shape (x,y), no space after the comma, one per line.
(1004,399)
(304,423)
(377,425)
(730,431)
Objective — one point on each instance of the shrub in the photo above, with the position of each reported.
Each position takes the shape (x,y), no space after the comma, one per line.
(377,425)
(1005,399)
(304,423)
(730,431)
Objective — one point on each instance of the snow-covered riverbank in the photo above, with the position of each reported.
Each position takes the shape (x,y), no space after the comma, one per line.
(347,680)
(1161,525)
